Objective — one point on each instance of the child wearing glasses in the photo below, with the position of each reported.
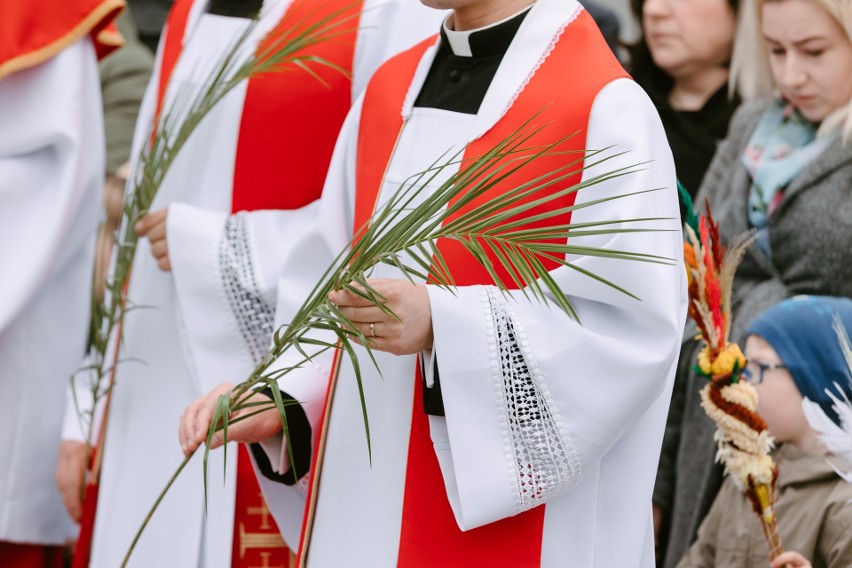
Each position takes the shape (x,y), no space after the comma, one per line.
(792,353)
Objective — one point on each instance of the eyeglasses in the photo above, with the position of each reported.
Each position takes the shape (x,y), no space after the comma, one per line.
(753,371)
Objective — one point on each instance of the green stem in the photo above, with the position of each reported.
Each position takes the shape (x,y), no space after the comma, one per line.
(154,508)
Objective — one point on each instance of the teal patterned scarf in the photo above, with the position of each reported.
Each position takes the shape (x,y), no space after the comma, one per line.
(781,146)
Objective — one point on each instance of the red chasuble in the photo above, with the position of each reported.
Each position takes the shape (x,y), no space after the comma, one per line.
(429,534)
(277,137)
(33,31)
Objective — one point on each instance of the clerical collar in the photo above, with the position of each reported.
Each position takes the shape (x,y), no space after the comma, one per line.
(487,41)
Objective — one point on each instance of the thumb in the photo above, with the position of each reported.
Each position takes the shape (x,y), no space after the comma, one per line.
(218,440)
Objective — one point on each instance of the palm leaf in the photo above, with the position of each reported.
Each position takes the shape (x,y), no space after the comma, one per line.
(410,225)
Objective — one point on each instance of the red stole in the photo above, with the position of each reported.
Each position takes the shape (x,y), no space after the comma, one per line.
(32,32)
(581,55)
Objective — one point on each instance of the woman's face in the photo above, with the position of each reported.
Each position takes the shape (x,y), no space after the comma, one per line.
(687,36)
(780,402)
(810,56)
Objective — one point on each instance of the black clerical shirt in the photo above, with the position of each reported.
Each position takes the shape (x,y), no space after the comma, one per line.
(458,82)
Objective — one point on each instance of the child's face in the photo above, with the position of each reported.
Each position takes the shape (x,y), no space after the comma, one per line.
(810,55)
(780,402)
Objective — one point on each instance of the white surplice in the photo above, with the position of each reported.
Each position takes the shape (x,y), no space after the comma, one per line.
(166,367)
(607,382)
(51,182)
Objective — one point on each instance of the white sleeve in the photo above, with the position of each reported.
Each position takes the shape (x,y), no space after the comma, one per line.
(303,263)
(225,268)
(537,395)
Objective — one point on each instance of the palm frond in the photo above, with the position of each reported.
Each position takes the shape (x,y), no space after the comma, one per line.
(410,224)
(172,129)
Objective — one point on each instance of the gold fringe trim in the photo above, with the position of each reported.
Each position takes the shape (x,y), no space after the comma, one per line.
(84,27)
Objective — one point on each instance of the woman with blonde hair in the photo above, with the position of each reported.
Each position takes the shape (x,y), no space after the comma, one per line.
(784,172)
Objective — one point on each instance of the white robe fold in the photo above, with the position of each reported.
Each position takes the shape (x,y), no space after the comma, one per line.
(51,181)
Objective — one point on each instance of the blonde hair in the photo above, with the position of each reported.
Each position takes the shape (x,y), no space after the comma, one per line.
(751,74)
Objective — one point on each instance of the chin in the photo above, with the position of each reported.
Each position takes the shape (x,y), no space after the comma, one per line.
(815,110)
(814,114)
(666,60)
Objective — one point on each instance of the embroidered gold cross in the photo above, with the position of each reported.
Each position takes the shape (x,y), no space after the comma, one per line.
(262,512)
(259,540)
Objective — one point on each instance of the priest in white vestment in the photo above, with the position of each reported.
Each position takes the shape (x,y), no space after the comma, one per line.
(212,271)
(503,433)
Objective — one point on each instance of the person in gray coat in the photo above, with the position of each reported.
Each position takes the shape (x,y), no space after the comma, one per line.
(785,172)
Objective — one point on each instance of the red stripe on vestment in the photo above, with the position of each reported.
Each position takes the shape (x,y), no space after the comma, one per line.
(290,119)
(381,125)
(172,48)
(19,555)
(288,128)
(429,534)
(257,540)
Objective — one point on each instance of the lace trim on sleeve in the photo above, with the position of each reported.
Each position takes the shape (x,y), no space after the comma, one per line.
(240,282)
(540,456)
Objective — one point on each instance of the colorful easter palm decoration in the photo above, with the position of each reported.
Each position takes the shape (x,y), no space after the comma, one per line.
(741,436)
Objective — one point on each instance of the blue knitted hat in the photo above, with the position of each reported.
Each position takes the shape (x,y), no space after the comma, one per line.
(801,331)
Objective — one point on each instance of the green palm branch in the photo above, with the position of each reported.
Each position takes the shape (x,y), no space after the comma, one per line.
(404,233)
(174,127)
